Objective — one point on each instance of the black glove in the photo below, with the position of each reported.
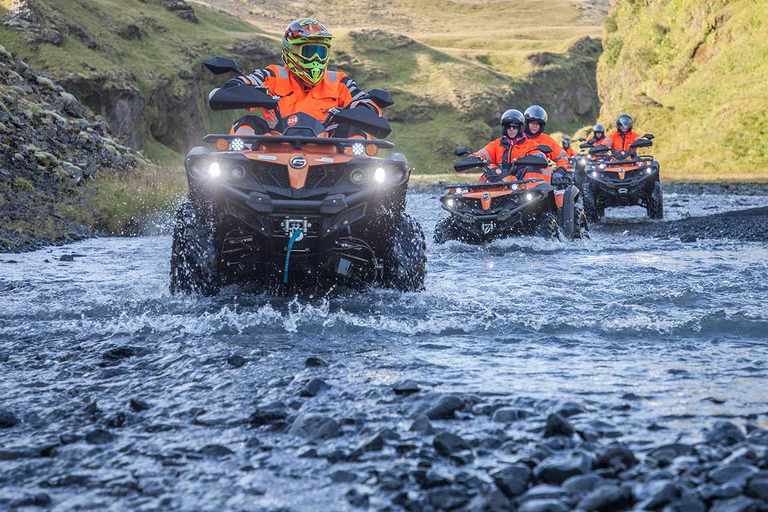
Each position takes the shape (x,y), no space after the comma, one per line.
(521,172)
(560,177)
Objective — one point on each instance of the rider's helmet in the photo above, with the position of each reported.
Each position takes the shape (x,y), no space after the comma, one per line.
(512,117)
(598,128)
(535,113)
(307,49)
(566,143)
(624,121)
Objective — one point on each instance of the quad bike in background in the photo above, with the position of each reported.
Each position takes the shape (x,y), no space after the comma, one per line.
(298,208)
(507,206)
(613,178)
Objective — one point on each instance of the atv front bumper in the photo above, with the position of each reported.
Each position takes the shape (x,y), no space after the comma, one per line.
(634,188)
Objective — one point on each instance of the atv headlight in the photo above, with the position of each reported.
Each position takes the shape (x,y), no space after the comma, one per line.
(237,172)
(649,170)
(601,166)
(450,202)
(380,175)
(358,177)
(594,174)
(458,190)
(214,170)
(236,145)
(529,197)
(358,149)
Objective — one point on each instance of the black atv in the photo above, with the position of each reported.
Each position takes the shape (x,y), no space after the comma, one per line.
(504,206)
(297,210)
(615,178)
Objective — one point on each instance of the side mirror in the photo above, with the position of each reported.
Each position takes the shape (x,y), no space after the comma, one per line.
(460,151)
(544,149)
(599,149)
(221,65)
(649,136)
(470,162)
(582,139)
(381,98)
(585,145)
(364,119)
(641,143)
(537,161)
(241,96)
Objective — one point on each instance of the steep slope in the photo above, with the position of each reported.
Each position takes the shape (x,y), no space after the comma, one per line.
(50,147)
(694,73)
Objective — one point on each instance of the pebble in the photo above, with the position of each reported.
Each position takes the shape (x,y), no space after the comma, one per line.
(314,387)
(509,415)
(236,361)
(726,433)
(314,362)
(543,506)
(406,387)
(555,470)
(445,407)
(607,498)
(215,450)
(558,426)
(512,480)
(446,444)
(8,419)
(422,426)
(314,426)
(99,436)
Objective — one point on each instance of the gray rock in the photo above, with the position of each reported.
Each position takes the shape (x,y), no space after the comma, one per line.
(446,444)
(558,426)
(373,444)
(236,361)
(735,473)
(555,470)
(492,501)
(358,499)
(758,486)
(509,414)
(544,492)
(739,504)
(40,499)
(607,498)
(725,432)
(617,457)
(406,387)
(341,476)
(99,436)
(512,480)
(138,405)
(445,408)
(672,451)
(314,426)
(269,414)
(686,504)
(447,498)
(655,494)
(435,479)
(422,426)
(314,362)
(688,238)
(744,455)
(568,409)
(582,484)
(543,506)
(314,387)
(215,450)
(8,419)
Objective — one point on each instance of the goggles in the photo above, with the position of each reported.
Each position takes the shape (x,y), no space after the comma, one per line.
(310,52)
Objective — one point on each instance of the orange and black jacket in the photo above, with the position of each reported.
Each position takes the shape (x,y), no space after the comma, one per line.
(557,154)
(605,141)
(570,152)
(336,89)
(503,152)
(621,141)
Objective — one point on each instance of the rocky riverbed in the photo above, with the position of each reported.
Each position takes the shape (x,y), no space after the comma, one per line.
(622,372)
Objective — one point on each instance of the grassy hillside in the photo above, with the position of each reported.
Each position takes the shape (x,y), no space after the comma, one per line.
(694,73)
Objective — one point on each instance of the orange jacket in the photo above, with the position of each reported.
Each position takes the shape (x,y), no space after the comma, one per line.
(336,89)
(570,152)
(621,141)
(501,152)
(605,141)
(557,153)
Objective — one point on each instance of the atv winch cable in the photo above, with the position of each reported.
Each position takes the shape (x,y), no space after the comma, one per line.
(295,236)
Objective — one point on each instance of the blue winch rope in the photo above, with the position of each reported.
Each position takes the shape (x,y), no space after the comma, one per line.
(296,234)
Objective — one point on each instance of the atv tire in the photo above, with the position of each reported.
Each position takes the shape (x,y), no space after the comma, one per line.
(405,262)
(547,227)
(445,230)
(581,225)
(655,202)
(592,209)
(194,258)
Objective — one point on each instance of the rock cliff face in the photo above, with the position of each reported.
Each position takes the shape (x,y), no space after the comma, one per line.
(50,146)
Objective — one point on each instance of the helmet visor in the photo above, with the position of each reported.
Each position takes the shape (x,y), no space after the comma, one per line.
(311,52)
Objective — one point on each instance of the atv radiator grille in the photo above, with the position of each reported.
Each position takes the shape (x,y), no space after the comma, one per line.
(323,176)
(273,176)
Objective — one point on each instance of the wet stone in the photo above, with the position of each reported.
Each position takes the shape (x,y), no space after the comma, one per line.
(581,484)
(725,433)
(314,426)
(268,414)
(357,499)
(558,426)
(309,453)
(738,504)
(447,498)
(686,504)
(711,492)
(422,426)
(607,498)
(737,473)
(688,238)
(446,444)
(617,457)
(117,420)
(512,480)
(69,438)
(544,492)
(341,476)
(314,388)
(445,407)
(509,414)
(758,486)
(406,387)
(99,436)
(138,405)
(33,500)
(672,451)
(434,479)
(236,361)
(743,455)
(8,419)
(568,409)
(555,470)
(314,362)
(492,501)
(215,450)
(543,506)
(373,444)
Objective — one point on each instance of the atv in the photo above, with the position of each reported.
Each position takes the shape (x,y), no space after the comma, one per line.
(504,206)
(296,209)
(614,178)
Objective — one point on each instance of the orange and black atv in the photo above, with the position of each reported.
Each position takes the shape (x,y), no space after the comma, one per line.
(504,206)
(296,210)
(611,178)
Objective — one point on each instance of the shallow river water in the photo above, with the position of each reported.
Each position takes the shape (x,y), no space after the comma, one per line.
(655,336)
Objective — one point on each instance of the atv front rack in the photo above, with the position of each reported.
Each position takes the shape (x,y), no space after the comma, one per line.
(487,184)
(297,141)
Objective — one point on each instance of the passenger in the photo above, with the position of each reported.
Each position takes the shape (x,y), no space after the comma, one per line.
(501,153)
(302,83)
(598,137)
(536,120)
(567,149)
(623,137)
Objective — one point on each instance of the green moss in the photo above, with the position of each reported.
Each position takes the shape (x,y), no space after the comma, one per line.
(24,184)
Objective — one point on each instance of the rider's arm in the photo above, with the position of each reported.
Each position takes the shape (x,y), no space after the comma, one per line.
(488,153)
(259,78)
(350,94)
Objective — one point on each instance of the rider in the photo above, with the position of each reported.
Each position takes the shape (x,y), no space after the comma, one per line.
(567,149)
(501,153)
(623,137)
(302,83)
(536,120)
(598,137)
